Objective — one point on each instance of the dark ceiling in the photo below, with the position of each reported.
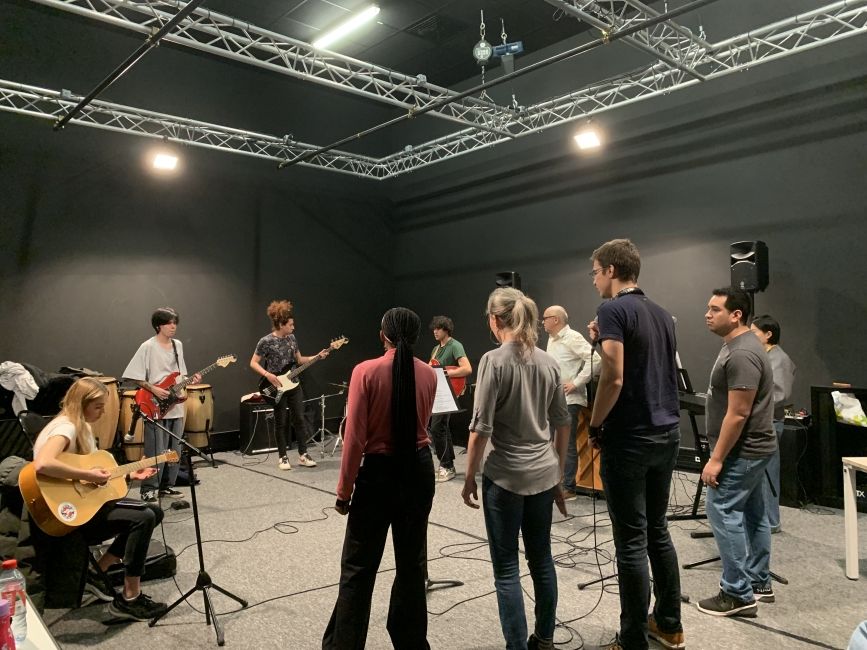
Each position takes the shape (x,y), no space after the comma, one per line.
(430,37)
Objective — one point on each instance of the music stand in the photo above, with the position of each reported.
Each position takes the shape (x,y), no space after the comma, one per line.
(203,581)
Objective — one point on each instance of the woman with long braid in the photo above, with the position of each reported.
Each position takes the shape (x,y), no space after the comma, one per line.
(518,396)
(390,402)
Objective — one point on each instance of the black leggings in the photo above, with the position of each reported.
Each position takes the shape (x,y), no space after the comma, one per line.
(294,400)
(131,529)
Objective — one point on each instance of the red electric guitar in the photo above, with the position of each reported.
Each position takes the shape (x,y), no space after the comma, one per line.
(156,408)
(459,384)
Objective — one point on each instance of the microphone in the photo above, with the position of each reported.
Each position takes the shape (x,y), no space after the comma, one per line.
(136,415)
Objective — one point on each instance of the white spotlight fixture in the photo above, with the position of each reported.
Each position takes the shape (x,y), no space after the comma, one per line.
(165,162)
(350,25)
(588,138)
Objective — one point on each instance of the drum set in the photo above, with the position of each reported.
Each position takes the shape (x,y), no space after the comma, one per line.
(323,436)
(115,423)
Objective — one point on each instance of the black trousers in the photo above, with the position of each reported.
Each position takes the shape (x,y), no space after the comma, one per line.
(385,497)
(131,528)
(294,400)
(441,434)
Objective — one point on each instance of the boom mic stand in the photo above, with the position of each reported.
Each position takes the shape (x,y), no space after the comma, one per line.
(203,582)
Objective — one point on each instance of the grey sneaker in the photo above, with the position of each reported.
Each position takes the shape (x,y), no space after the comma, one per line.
(305,461)
(725,605)
(97,585)
(142,608)
(764,593)
(445,474)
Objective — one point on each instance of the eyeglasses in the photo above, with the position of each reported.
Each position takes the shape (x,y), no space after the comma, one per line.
(594,272)
(544,318)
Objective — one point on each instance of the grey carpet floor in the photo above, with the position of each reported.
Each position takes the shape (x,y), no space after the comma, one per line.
(273,538)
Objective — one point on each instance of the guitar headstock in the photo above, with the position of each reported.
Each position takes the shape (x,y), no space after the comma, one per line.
(339,342)
(226,360)
(171,456)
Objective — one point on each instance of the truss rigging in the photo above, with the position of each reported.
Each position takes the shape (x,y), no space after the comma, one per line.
(684,59)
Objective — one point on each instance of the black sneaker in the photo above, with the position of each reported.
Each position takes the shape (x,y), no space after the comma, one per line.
(171,493)
(724,605)
(149,496)
(764,593)
(535,643)
(97,585)
(140,609)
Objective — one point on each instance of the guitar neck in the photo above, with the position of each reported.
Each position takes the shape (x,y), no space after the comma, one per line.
(189,380)
(123,470)
(303,367)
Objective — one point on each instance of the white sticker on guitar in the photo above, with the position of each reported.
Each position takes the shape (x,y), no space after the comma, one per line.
(67,511)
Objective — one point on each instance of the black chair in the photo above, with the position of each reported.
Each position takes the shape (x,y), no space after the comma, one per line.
(32,424)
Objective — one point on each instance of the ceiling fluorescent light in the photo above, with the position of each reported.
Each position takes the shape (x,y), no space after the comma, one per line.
(588,139)
(165,161)
(345,28)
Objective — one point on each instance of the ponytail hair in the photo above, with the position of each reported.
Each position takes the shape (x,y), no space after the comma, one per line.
(77,399)
(517,313)
(401,327)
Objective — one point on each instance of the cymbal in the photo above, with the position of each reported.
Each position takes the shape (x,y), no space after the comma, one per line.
(340,385)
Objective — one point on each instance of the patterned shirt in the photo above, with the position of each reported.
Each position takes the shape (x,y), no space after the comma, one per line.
(277,353)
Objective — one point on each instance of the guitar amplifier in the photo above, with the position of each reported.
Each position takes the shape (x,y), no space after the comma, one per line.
(257,428)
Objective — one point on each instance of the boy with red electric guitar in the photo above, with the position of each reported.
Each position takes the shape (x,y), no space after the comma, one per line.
(157,358)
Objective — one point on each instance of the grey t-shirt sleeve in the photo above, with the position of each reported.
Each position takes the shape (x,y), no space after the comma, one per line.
(137,369)
(485,401)
(743,370)
(558,413)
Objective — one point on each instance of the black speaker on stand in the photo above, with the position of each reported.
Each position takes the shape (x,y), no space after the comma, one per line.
(509,279)
(749,265)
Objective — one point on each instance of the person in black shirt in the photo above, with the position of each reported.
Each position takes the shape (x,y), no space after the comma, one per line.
(635,424)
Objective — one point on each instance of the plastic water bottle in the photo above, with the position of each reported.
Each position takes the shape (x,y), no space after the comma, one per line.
(7,641)
(13,588)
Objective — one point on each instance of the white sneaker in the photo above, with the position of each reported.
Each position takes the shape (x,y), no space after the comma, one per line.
(445,474)
(305,461)
(284,463)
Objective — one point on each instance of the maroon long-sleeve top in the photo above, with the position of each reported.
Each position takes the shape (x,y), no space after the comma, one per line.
(368,417)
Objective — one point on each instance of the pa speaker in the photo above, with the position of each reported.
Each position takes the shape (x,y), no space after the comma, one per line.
(509,279)
(749,263)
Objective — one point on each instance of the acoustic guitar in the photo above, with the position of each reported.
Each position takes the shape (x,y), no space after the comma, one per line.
(459,384)
(287,378)
(156,408)
(60,505)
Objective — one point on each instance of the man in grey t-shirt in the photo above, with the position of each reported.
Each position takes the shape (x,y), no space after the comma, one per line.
(739,420)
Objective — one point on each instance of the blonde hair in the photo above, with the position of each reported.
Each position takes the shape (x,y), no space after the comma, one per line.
(518,313)
(79,396)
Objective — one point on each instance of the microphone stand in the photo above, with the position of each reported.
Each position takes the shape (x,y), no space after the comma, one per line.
(203,582)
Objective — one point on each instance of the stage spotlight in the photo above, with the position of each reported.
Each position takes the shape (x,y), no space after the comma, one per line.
(588,139)
(350,25)
(165,162)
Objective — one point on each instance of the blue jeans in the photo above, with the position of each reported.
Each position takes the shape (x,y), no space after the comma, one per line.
(636,468)
(773,500)
(507,514)
(156,441)
(737,514)
(859,638)
(570,468)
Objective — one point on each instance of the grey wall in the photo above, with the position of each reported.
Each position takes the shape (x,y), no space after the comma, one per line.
(776,154)
(92,244)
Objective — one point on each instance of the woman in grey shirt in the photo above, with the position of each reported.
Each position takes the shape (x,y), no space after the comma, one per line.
(518,396)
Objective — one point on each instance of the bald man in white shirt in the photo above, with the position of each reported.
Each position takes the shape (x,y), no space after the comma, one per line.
(573,354)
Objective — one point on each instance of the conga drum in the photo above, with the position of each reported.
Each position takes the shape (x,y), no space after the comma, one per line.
(105,427)
(200,414)
(133,450)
